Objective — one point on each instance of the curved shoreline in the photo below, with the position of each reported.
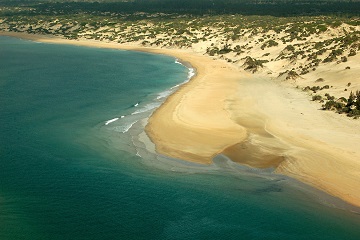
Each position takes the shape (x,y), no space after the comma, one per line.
(193,123)
(225,110)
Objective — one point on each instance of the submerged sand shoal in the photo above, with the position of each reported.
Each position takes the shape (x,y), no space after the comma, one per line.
(252,120)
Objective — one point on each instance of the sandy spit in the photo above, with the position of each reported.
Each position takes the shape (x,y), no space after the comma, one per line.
(252,120)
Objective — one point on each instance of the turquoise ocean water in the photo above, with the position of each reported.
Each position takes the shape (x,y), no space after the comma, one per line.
(75,162)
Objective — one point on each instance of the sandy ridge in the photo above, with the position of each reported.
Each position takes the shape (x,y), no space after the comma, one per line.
(253,120)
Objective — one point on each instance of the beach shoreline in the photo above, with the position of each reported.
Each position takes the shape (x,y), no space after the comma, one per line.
(249,118)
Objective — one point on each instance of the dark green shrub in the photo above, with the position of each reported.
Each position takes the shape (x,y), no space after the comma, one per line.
(290,48)
(333,105)
(253,64)
(329,97)
(270,43)
(316,98)
(342,99)
(354,113)
(325,87)
(352,53)
(292,75)
(315,88)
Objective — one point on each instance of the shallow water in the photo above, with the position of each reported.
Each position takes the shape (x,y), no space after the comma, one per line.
(66,174)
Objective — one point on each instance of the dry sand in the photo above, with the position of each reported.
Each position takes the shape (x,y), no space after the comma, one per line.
(252,120)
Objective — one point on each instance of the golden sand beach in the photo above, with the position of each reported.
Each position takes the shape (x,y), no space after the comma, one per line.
(251,119)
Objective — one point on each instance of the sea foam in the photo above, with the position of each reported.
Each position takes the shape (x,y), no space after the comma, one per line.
(125,128)
(111,120)
(164,94)
(147,108)
(191,73)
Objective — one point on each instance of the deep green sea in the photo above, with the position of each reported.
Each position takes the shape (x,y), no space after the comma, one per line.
(75,162)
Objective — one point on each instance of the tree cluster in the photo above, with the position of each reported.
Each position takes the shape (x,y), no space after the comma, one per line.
(350,106)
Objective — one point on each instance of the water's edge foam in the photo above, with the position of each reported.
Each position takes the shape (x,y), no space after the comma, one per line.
(150,107)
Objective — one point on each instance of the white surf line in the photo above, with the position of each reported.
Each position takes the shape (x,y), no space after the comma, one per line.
(111,120)
(127,128)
